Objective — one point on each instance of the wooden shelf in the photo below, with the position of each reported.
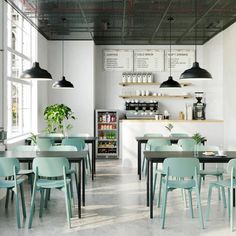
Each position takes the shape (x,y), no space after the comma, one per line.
(154,83)
(157,97)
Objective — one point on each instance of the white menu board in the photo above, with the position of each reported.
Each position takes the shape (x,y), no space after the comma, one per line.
(148,60)
(181,59)
(118,60)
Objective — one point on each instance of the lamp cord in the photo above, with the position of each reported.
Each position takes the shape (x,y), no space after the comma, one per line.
(3,65)
(63,19)
(170,19)
(195,15)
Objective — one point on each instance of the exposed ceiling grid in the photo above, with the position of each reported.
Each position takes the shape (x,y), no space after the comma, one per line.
(111,22)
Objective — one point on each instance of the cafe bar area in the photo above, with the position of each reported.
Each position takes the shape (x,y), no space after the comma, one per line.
(117,117)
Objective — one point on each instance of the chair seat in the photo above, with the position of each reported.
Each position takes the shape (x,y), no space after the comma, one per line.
(10,183)
(49,183)
(70,171)
(25,172)
(211,172)
(224,183)
(184,184)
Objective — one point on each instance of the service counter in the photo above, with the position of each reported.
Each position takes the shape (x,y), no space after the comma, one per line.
(132,128)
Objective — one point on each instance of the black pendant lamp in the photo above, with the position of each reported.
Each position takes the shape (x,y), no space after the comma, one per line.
(63,83)
(36,72)
(170,83)
(195,72)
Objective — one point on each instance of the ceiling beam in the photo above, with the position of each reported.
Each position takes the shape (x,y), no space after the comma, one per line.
(160,22)
(192,27)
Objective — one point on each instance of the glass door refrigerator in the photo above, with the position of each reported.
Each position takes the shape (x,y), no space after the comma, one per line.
(107,133)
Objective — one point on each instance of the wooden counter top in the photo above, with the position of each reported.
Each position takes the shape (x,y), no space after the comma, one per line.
(171,121)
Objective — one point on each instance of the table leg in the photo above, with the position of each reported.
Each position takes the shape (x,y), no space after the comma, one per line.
(79,188)
(93,159)
(151,190)
(83,184)
(147,183)
(139,159)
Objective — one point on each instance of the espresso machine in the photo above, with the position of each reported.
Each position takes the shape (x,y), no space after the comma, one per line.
(199,107)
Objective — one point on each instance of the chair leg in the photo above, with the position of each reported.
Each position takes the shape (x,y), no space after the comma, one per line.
(42,201)
(159,192)
(89,162)
(32,207)
(231,210)
(47,197)
(17,208)
(163,208)
(190,202)
(228,205)
(199,207)
(22,200)
(223,196)
(67,204)
(143,164)
(154,183)
(7,198)
(208,202)
(219,197)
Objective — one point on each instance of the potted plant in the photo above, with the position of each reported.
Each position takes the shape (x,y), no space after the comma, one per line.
(199,139)
(56,116)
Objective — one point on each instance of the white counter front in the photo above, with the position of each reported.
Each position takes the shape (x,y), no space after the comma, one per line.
(130,129)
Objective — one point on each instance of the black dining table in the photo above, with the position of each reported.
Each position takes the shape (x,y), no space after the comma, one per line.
(87,139)
(144,139)
(158,157)
(72,156)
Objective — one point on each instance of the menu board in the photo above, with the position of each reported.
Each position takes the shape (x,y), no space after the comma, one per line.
(118,60)
(181,59)
(148,60)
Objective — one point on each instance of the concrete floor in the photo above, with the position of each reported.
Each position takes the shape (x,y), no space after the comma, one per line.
(116,206)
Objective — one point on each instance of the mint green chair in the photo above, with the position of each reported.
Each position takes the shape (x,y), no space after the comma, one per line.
(181,168)
(166,148)
(43,144)
(187,144)
(147,148)
(218,173)
(230,185)
(10,167)
(80,145)
(69,171)
(48,167)
(29,173)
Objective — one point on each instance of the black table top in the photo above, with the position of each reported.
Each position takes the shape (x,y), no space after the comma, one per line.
(90,138)
(72,156)
(144,138)
(157,156)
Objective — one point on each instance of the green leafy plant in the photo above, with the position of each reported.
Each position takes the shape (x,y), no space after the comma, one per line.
(169,127)
(56,116)
(199,138)
(33,138)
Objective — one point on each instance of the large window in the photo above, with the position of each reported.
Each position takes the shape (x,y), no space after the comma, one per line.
(19,58)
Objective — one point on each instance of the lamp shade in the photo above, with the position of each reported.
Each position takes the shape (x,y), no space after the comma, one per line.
(170,83)
(195,73)
(63,84)
(36,73)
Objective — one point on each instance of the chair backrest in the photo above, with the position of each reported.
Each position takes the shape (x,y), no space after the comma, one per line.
(151,143)
(187,144)
(203,148)
(181,167)
(63,148)
(54,135)
(50,166)
(80,135)
(77,142)
(24,148)
(44,144)
(7,166)
(153,135)
(232,166)
(166,148)
(176,135)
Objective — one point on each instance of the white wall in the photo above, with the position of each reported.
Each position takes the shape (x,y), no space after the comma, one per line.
(1,58)
(108,88)
(79,69)
(229,86)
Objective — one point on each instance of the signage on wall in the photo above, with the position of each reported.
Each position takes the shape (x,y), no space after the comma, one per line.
(118,60)
(148,60)
(181,59)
